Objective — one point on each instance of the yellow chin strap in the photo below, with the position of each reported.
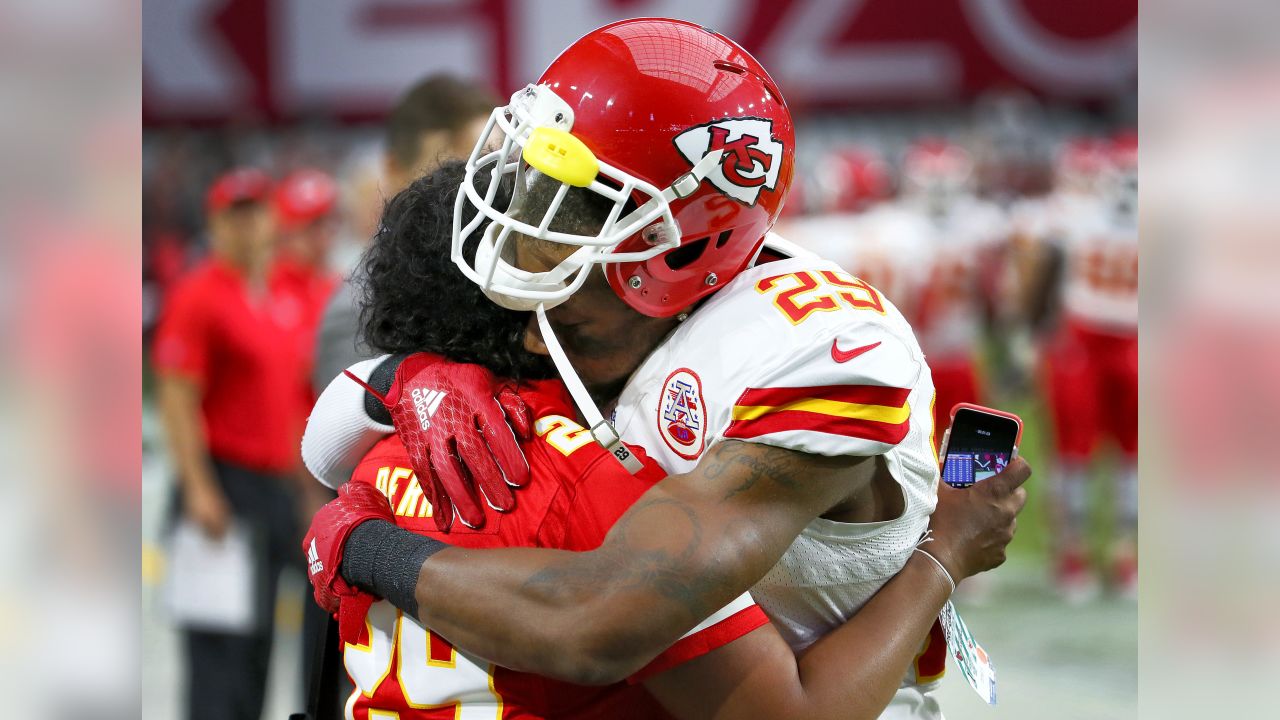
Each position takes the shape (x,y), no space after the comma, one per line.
(562,156)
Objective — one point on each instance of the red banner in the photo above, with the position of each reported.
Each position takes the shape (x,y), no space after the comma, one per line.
(215,60)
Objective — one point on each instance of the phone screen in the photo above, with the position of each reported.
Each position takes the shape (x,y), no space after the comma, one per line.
(980,445)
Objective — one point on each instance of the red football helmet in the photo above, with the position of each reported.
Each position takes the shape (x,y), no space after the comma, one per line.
(1081,163)
(930,165)
(681,129)
(936,173)
(851,179)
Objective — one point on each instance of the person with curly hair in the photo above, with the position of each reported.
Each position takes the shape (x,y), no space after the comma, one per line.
(415,301)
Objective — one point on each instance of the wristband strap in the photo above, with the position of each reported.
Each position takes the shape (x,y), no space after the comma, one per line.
(385,560)
(938,562)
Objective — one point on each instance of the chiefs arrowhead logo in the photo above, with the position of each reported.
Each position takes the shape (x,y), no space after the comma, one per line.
(752,157)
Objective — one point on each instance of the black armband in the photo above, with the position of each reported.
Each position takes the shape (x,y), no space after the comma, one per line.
(381,379)
(385,560)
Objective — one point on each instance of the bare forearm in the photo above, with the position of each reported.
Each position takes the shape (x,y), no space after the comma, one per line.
(491,603)
(854,671)
(597,616)
(180,408)
(851,673)
(685,549)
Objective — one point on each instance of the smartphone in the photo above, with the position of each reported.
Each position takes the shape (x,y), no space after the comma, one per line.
(980,443)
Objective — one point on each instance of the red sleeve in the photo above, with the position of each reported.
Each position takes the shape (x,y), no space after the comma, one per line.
(710,635)
(182,337)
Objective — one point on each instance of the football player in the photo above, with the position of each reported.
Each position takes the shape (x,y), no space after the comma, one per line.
(786,400)
(963,250)
(577,494)
(1085,238)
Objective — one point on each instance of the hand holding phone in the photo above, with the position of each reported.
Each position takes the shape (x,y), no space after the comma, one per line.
(980,443)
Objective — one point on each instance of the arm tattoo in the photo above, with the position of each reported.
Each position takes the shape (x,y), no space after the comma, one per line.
(654,546)
(772,466)
(630,560)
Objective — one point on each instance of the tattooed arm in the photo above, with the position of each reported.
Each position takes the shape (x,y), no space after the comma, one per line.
(688,547)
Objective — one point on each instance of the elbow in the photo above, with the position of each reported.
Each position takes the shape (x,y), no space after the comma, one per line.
(602,652)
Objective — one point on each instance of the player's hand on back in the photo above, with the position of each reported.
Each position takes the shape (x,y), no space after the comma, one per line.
(973,526)
(460,426)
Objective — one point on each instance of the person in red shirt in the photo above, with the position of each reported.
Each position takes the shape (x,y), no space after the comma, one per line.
(726,666)
(306,205)
(229,384)
(576,498)
(306,210)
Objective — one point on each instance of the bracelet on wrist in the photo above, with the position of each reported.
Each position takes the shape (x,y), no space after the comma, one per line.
(950,580)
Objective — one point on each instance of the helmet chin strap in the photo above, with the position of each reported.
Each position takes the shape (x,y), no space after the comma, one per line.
(602,430)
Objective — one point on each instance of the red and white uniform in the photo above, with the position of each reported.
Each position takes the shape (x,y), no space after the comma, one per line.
(1092,362)
(402,670)
(964,269)
(799,354)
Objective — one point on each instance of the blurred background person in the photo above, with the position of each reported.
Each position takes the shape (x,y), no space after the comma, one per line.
(437,119)
(963,233)
(231,387)
(306,215)
(1084,275)
(306,205)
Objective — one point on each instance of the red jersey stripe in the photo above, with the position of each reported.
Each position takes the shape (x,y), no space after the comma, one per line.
(785,420)
(687,648)
(858,394)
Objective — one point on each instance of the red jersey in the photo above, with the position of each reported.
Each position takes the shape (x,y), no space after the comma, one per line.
(577,493)
(242,349)
(300,294)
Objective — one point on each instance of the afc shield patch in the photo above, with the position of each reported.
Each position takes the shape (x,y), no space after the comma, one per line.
(682,418)
(752,157)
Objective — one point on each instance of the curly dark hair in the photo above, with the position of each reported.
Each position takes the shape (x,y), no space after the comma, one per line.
(413,298)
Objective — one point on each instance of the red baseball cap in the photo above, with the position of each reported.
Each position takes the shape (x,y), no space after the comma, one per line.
(306,195)
(237,186)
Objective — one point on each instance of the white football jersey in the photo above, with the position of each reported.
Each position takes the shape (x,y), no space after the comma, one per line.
(963,248)
(799,354)
(1100,283)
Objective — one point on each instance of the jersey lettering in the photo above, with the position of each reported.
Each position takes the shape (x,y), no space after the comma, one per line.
(429,672)
(804,293)
(561,433)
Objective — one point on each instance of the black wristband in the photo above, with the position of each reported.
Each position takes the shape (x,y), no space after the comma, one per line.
(385,560)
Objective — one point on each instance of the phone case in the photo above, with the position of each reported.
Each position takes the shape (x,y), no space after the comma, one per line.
(946,436)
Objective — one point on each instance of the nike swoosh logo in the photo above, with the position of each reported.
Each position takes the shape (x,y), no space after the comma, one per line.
(844,356)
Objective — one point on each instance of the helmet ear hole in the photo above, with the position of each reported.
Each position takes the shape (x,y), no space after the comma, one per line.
(687,254)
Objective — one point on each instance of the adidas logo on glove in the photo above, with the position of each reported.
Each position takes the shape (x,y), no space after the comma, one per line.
(425,403)
(313,559)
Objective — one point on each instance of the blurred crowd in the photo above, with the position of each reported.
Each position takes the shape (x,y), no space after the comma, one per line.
(1019,273)
(1005,231)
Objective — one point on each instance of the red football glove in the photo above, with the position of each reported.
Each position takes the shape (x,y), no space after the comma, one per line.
(456,421)
(322,545)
